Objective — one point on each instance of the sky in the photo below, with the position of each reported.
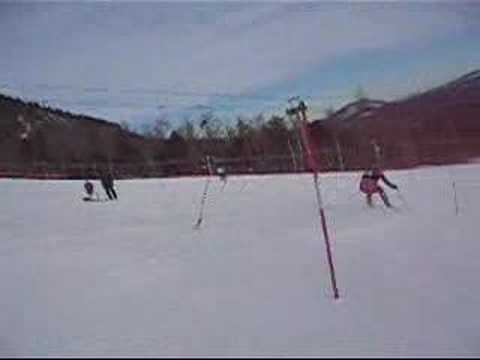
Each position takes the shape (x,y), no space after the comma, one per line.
(137,61)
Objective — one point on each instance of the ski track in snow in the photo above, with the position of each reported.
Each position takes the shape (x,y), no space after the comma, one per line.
(133,278)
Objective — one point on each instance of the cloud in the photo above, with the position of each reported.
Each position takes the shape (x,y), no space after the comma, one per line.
(185,53)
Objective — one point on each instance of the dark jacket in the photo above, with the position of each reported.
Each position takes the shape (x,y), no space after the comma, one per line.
(106,179)
(88,187)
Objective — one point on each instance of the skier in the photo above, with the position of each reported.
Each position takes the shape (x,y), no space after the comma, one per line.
(89,190)
(106,178)
(369,185)
(222,174)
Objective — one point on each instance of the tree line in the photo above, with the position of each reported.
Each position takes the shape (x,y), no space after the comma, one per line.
(193,139)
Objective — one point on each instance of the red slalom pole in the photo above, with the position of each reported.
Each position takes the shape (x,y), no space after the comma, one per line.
(315,169)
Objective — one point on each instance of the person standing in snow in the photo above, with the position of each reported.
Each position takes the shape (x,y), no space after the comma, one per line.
(369,185)
(106,178)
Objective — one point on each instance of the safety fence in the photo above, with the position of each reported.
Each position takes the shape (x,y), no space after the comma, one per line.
(341,158)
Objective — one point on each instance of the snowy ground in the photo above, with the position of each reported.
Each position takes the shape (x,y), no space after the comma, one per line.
(132,278)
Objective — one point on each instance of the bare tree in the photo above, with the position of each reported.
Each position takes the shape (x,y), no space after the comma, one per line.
(187,130)
(161,128)
(125,125)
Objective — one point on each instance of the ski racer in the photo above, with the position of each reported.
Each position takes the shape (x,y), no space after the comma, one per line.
(369,185)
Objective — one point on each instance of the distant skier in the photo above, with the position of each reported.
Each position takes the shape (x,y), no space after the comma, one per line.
(106,178)
(89,190)
(222,174)
(369,185)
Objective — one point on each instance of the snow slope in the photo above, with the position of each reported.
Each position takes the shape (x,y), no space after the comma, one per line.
(132,278)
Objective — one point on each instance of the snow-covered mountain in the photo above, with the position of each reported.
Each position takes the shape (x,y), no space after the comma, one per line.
(441,125)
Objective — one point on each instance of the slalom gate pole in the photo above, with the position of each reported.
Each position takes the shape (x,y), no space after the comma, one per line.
(455,197)
(315,168)
(204,194)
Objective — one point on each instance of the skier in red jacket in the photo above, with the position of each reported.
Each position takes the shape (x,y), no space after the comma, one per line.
(369,185)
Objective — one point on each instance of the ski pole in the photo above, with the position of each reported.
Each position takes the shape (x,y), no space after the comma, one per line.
(455,197)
